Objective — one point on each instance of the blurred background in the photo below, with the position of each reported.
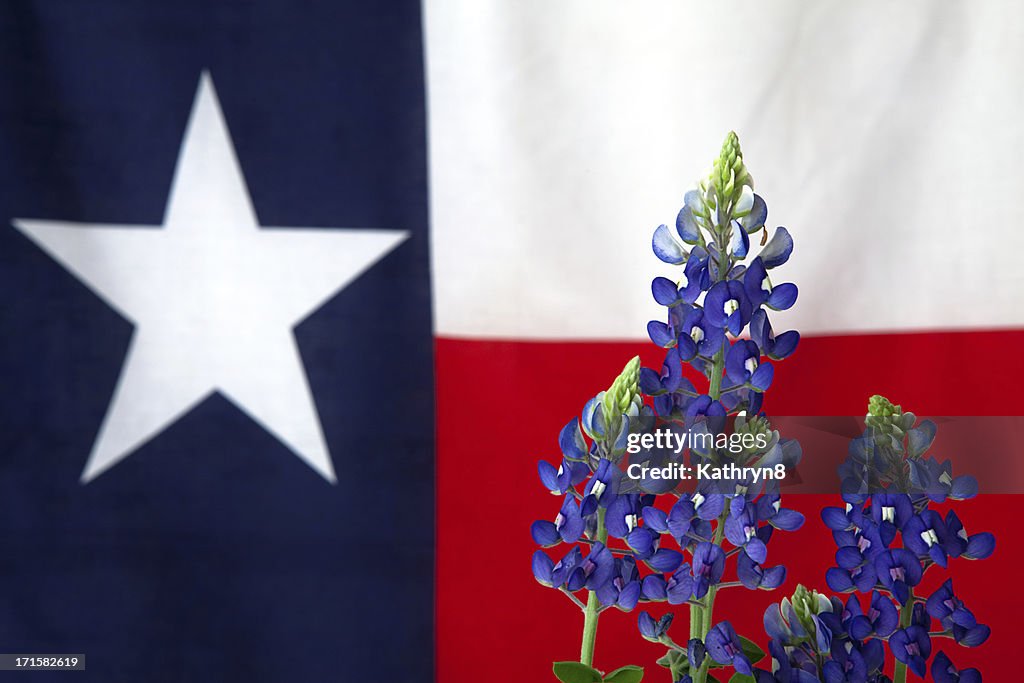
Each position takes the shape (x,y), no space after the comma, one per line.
(285,282)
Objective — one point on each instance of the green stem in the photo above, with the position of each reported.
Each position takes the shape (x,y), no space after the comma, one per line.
(700,617)
(590,614)
(701,675)
(906,614)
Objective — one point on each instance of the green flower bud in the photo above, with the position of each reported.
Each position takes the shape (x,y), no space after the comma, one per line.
(807,604)
(729,174)
(879,406)
(884,417)
(624,391)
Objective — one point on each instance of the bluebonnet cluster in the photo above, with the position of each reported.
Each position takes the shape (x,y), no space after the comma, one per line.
(670,544)
(888,537)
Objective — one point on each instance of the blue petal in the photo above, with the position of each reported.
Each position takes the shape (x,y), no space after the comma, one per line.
(629,596)
(686,226)
(570,440)
(666,247)
(964,487)
(661,334)
(760,329)
(592,422)
(665,560)
(739,241)
(756,550)
(542,566)
(650,382)
(549,476)
(943,670)
(920,438)
(712,506)
(544,533)
(972,637)
(665,291)
(778,249)
(687,349)
(648,626)
(788,520)
(762,377)
(757,216)
(655,519)
(980,546)
(773,577)
(654,587)
(838,580)
(783,296)
(785,344)
(747,572)
(775,625)
(641,541)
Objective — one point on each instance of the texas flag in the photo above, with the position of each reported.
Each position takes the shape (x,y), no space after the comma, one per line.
(295,295)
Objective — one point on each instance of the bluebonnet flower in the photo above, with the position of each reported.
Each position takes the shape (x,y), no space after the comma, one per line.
(846,518)
(602,489)
(948,609)
(567,527)
(761,333)
(890,512)
(899,571)
(926,534)
(698,336)
(727,307)
(881,619)
(708,566)
(679,587)
(760,290)
(705,406)
(652,629)
(912,646)
(695,279)
(623,589)
(559,481)
(624,513)
(770,510)
(784,670)
(847,664)
(887,537)
(715,293)
(741,530)
(753,575)
(936,479)
(723,646)
(555,575)
(943,671)
(696,651)
(743,366)
(669,380)
(970,637)
(593,571)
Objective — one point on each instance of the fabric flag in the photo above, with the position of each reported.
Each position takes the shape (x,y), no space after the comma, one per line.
(217,419)
(272,402)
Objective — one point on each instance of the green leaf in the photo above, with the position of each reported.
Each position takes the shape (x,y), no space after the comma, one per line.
(669,659)
(575,672)
(751,649)
(625,674)
(741,678)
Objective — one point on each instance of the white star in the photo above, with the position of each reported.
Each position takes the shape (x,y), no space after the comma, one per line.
(213,297)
